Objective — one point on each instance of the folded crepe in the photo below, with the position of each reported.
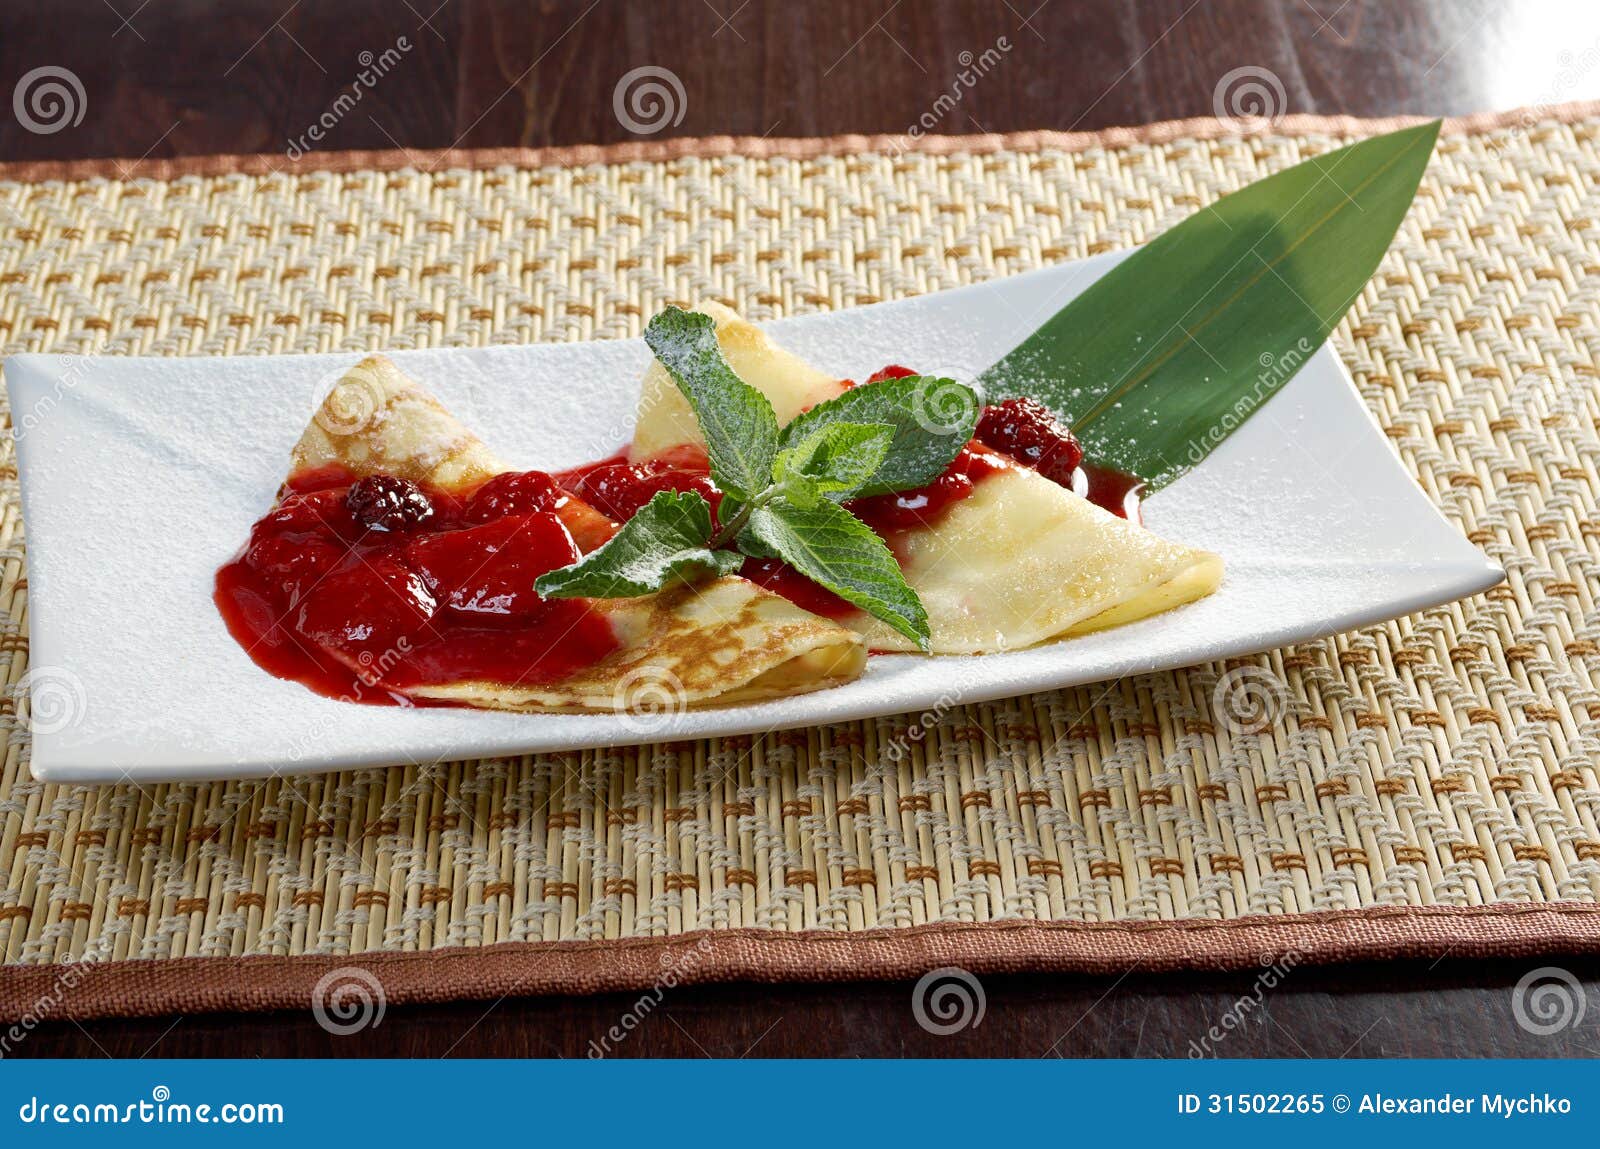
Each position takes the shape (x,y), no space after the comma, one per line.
(721,641)
(1019,561)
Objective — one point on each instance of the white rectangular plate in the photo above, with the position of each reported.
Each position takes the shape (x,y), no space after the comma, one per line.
(140,476)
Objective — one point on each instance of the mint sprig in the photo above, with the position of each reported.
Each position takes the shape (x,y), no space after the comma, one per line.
(739,425)
(782,488)
(932,418)
(664,542)
(830,546)
(835,460)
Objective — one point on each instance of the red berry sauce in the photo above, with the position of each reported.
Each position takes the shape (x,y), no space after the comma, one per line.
(363,589)
(781,578)
(619,488)
(905,510)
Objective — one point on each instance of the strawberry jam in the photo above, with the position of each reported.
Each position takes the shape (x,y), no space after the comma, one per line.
(781,578)
(1109,490)
(1030,433)
(620,488)
(363,589)
(905,510)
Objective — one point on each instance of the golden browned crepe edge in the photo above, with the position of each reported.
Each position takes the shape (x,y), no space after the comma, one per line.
(689,643)
(738,632)
(376,419)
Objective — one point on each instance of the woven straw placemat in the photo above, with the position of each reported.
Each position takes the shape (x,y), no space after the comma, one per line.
(1423,786)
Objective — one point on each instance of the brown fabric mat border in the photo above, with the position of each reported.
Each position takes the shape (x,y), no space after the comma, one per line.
(655,151)
(194,985)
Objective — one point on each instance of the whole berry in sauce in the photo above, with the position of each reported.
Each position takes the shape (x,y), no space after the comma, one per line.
(365,613)
(485,574)
(1030,433)
(317,513)
(294,565)
(621,489)
(388,503)
(513,493)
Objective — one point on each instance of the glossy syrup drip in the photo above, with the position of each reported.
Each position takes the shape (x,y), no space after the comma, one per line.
(1110,490)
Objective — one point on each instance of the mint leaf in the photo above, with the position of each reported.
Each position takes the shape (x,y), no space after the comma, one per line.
(740,428)
(664,542)
(932,419)
(830,546)
(833,461)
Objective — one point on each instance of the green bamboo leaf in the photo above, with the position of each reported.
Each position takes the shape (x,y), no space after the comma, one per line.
(1174,348)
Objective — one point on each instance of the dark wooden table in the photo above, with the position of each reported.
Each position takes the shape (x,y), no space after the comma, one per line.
(187,77)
